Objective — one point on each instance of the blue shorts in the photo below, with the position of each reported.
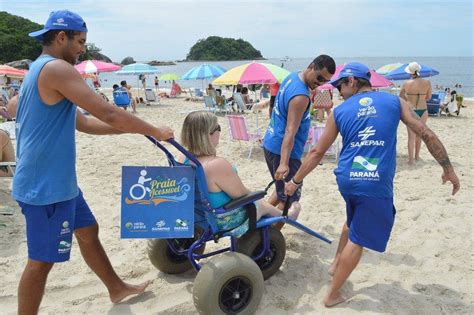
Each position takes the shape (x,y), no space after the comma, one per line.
(273,161)
(49,228)
(370,220)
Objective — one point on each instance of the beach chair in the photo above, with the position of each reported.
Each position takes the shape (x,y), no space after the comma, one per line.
(239,100)
(316,132)
(151,97)
(434,104)
(231,282)
(210,104)
(198,93)
(121,98)
(238,131)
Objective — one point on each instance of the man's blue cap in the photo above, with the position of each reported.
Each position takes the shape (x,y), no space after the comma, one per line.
(353,69)
(61,20)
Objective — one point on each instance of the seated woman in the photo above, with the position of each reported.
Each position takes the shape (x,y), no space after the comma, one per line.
(7,154)
(245,95)
(200,135)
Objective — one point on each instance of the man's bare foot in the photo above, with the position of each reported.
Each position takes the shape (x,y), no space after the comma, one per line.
(410,162)
(334,299)
(294,210)
(127,290)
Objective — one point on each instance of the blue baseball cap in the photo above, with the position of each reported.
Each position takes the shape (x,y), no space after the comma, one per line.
(353,69)
(61,20)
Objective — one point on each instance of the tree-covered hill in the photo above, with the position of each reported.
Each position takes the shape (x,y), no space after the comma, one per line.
(15,43)
(218,48)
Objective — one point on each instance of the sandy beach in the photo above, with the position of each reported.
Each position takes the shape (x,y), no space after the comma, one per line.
(427,269)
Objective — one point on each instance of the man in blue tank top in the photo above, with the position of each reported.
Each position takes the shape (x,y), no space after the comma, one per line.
(368,124)
(45,183)
(288,130)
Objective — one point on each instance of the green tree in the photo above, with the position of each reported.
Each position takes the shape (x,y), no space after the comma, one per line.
(15,43)
(218,48)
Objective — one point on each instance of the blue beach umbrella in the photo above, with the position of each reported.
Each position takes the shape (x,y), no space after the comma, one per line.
(138,68)
(401,74)
(204,71)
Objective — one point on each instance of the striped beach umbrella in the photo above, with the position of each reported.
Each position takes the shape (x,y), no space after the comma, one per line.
(12,72)
(253,73)
(204,71)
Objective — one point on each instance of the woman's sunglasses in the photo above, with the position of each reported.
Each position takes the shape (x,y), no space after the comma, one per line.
(218,128)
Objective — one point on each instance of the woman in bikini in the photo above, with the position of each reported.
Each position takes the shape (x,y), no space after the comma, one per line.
(416,91)
(200,135)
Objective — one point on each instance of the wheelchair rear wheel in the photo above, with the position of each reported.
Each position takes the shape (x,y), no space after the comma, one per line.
(230,283)
(167,261)
(251,244)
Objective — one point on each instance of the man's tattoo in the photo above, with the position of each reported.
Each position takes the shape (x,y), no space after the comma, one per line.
(435,147)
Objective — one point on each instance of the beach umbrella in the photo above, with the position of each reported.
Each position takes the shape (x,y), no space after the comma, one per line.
(376,80)
(138,68)
(96,66)
(204,71)
(170,77)
(401,74)
(12,72)
(389,67)
(253,73)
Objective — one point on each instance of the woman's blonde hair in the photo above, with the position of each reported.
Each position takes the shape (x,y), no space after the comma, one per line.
(197,127)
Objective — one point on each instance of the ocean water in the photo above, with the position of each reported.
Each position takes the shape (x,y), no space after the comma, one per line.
(453,70)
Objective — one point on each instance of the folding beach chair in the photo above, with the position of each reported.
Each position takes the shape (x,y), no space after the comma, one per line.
(121,98)
(334,149)
(238,131)
(151,97)
(209,104)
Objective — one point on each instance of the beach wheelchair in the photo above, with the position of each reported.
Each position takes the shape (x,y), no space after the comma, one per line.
(231,282)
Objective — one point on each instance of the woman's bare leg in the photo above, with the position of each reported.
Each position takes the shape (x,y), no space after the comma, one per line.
(424,118)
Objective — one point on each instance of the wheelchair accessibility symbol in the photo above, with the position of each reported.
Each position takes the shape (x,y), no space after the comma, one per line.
(138,191)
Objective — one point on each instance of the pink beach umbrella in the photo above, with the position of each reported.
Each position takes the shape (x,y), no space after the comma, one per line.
(376,80)
(95,66)
(252,73)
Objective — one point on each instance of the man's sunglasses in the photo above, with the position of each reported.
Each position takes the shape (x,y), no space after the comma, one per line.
(345,80)
(320,78)
(218,128)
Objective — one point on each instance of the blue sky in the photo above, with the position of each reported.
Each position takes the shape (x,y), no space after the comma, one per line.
(166,30)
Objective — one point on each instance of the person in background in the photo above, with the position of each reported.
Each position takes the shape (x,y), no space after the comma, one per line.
(7,153)
(157,84)
(273,92)
(322,101)
(416,92)
(128,88)
(96,81)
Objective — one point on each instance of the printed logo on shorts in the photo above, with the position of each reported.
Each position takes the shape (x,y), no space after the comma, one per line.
(64,247)
(364,168)
(364,136)
(65,228)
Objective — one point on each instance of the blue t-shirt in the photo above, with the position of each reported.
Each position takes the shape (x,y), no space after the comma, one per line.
(46,145)
(290,87)
(368,124)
